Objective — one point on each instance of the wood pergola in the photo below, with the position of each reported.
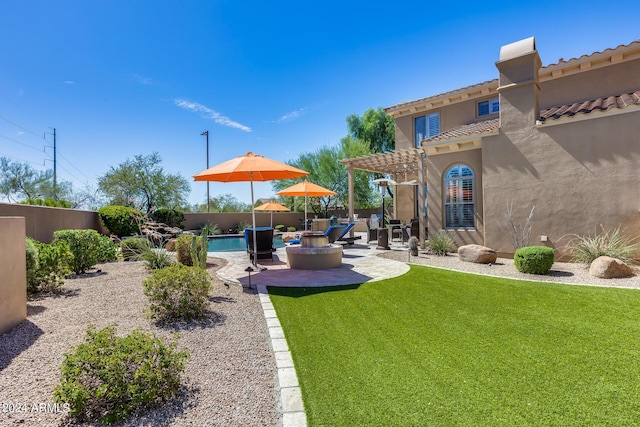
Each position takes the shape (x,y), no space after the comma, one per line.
(393,163)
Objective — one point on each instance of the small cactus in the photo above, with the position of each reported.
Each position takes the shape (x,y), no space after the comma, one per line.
(199,257)
(414,243)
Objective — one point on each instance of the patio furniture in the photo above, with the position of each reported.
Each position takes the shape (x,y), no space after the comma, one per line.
(264,243)
(347,239)
(395,226)
(333,233)
(372,232)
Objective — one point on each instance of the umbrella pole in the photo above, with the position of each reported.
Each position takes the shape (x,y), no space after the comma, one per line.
(305,212)
(253,217)
(271,219)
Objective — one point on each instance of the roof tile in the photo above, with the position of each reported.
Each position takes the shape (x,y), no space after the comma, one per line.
(583,107)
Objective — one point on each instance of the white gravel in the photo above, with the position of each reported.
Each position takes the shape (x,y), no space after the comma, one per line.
(561,272)
(229,380)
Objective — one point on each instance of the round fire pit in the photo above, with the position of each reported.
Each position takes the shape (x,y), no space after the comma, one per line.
(314,253)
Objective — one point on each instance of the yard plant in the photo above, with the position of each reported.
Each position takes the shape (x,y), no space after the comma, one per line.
(614,244)
(443,348)
(441,243)
(534,259)
(108,377)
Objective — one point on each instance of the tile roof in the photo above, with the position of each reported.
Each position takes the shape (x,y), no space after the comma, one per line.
(467,130)
(585,107)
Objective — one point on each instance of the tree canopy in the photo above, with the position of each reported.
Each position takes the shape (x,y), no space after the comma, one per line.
(375,127)
(325,170)
(142,183)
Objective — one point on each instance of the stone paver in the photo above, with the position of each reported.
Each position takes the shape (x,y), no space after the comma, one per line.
(359,265)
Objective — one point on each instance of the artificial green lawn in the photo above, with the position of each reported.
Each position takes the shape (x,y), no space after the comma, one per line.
(441,348)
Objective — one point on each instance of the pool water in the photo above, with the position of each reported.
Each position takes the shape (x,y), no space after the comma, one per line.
(230,243)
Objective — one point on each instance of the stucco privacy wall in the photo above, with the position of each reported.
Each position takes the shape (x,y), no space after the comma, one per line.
(42,221)
(13,284)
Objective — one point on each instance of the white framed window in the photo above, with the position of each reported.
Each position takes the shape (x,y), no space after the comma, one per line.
(490,106)
(459,200)
(426,127)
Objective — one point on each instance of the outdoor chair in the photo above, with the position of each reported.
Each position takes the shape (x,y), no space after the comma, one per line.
(396,228)
(264,243)
(347,239)
(333,233)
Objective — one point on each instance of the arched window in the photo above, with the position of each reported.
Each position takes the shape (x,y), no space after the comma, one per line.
(459,197)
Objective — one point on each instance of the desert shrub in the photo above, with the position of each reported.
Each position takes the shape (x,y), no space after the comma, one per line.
(614,244)
(108,377)
(107,249)
(177,292)
(48,202)
(534,259)
(183,248)
(121,220)
(279,227)
(210,229)
(441,243)
(242,225)
(55,262)
(157,258)
(32,265)
(171,217)
(133,249)
(414,244)
(291,229)
(84,245)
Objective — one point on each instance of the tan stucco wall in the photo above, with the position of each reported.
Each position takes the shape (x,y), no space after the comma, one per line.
(578,175)
(13,285)
(436,167)
(42,221)
(611,80)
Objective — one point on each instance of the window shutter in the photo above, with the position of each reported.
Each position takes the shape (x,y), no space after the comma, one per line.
(434,124)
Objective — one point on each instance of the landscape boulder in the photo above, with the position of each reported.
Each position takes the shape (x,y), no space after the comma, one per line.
(477,253)
(606,267)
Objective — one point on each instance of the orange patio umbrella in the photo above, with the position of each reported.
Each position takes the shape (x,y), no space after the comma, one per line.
(272,206)
(306,189)
(250,167)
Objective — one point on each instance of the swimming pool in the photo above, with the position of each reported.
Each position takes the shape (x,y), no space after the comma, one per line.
(236,242)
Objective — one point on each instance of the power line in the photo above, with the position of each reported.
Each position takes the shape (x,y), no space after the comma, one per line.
(21,143)
(21,127)
(73,166)
(21,159)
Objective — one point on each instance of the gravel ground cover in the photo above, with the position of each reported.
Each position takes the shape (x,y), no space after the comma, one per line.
(561,272)
(229,380)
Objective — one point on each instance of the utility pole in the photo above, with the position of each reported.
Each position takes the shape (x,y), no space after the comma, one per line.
(206,133)
(55,168)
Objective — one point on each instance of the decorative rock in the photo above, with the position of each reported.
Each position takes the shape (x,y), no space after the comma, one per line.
(606,267)
(477,253)
(171,245)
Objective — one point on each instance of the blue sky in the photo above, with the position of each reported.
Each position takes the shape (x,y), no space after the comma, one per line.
(121,78)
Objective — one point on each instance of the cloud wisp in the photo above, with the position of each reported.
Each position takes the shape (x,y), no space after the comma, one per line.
(290,116)
(210,114)
(147,81)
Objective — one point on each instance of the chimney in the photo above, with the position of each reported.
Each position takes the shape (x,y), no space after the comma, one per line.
(519,87)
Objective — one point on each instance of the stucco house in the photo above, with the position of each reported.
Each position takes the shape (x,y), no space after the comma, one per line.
(564,138)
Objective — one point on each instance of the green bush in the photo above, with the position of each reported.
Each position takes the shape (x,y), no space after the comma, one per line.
(134,248)
(183,248)
(279,227)
(121,220)
(157,258)
(108,377)
(47,202)
(585,249)
(210,229)
(55,262)
(534,259)
(32,265)
(84,245)
(107,249)
(177,292)
(441,243)
(171,217)
(291,229)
